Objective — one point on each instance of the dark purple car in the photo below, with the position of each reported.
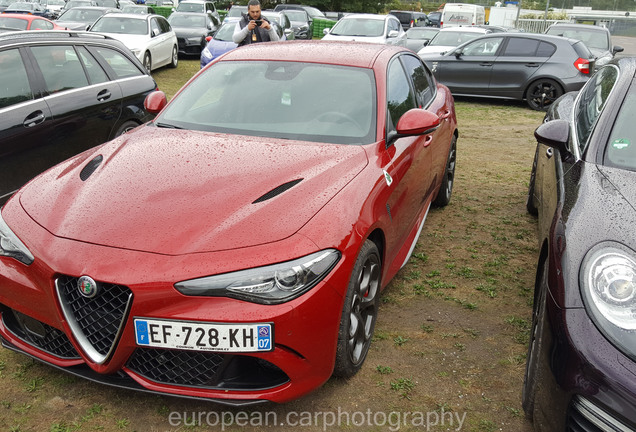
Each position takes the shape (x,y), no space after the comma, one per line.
(581,364)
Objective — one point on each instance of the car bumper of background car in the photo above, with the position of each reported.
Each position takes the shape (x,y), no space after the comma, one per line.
(305,329)
(586,384)
(189,47)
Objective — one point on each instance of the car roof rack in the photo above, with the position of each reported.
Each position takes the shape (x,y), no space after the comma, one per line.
(49,34)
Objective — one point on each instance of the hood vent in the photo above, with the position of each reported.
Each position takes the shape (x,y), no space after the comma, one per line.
(278,190)
(90,167)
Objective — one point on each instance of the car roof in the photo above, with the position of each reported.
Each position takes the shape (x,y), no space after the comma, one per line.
(467,29)
(29,36)
(367,16)
(356,54)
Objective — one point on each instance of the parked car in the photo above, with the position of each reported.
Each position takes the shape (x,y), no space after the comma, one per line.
(235,12)
(108,3)
(67,93)
(70,4)
(418,37)
(410,19)
(311,11)
(263,298)
(302,25)
(27,8)
(5,4)
(219,44)
(434,18)
(139,9)
(17,22)
(384,29)
(581,368)
(53,8)
(81,18)
(199,6)
(149,37)
(597,39)
(448,38)
(160,3)
(281,22)
(192,29)
(536,67)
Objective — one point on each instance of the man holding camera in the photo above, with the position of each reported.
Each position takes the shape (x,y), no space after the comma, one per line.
(253,28)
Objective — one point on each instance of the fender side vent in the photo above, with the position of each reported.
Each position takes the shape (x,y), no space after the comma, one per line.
(278,190)
(90,167)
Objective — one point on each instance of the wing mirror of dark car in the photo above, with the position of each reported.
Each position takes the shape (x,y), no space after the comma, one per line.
(555,133)
(414,122)
(155,102)
(617,49)
(458,52)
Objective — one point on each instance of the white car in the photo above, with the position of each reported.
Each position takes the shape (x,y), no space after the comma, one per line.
(384,29)
(448,38)
(149,37)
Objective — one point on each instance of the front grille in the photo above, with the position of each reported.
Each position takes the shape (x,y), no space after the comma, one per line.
(205,369)
(585,416)
(176,367)
(96,322)
(38,334)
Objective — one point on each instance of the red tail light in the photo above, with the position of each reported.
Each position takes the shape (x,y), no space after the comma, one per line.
(582,65)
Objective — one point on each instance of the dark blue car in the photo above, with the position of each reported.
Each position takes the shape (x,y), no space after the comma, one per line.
(220,43)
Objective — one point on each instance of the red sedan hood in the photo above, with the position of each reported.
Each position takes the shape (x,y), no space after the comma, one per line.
(177,192)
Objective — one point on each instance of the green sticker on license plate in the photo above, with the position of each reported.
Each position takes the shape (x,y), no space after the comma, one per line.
(204,336)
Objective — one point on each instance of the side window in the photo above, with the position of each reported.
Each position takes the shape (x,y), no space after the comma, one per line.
(39,24)
(484,47)
(591,103)
(14,87)
(521,47)
(60,67)
(545,49)
(400,97)
(120,65)
(393,25)
(421,78)
(164,25)
(96,74)
(154,27)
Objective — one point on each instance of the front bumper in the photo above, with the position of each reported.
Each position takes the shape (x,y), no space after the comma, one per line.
(187,47)
(305,329)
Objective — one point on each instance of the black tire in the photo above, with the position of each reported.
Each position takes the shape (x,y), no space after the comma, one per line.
(147,62)
(530,205)
(446,189)
(360,312)
(125,127)
(174,62)
(542,93)
(532,378)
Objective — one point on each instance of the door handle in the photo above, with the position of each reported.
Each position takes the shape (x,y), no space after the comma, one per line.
(428,140)
(532,65)
(549,152)
(485,64)
(103,95)
(33,119)
(446,115)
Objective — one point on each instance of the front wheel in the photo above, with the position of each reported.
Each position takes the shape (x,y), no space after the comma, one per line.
(175,57)
(147,62)
(542,93)
(360,312)
(126,127)
(446,189)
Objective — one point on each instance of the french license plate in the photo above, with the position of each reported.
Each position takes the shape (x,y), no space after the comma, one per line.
(204,336)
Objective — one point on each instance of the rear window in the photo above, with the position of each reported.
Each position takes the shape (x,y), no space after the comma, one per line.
(582,50)
(404,17)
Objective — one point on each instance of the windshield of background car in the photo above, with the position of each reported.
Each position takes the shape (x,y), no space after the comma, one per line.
(288,100)
(621,147)
(358,27)
(452,38)
(81,15)
(192,21)
(296,15)
(314,13)
(592,38)
(236,11)
(190,7)
(13,23)
(225,32)
(420,33)
(116,24)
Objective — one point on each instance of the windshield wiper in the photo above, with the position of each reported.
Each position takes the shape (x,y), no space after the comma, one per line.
(167,126)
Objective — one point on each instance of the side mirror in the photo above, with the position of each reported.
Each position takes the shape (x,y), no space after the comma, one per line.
(458,53)
(556,134)
(393,34)
(617,49)
(326,31)
(208,38)
(155,33)
(414,122)
(155,102)
(173,10)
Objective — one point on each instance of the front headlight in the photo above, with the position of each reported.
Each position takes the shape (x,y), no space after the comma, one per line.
(608,282)
(206,54)
(11,246)
(272,284)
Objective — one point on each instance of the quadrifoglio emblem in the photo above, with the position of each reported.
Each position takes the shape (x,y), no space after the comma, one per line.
(87,286)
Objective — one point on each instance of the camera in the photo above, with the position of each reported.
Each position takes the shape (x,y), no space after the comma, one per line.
(258,22)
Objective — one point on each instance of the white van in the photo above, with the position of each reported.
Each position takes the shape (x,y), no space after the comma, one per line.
(462,14)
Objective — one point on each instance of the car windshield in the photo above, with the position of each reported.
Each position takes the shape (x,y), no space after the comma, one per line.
(358,27)
(296,15)
(421,33)
(13,23)
(452,38)
(621,147)
(236,11)
(81,15)
(225,32)
(192,21)
(287,100)
(121,25)
(314,13)
(591,37)
(190,7)
(21,6)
